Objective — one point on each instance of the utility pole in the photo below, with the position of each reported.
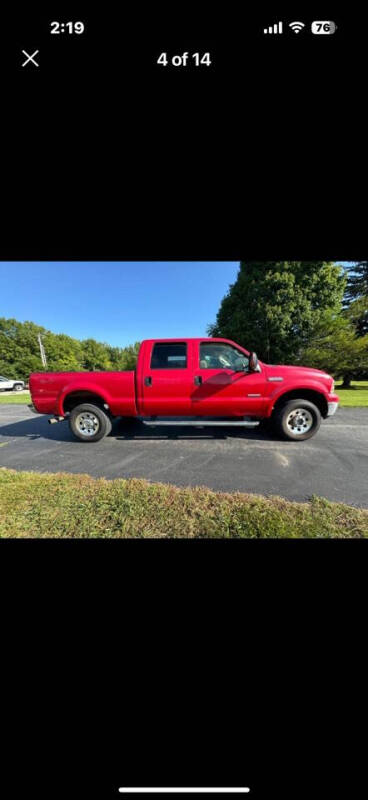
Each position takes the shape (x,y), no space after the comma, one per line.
(42,351)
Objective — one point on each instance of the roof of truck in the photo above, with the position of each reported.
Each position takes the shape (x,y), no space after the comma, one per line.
(189,339)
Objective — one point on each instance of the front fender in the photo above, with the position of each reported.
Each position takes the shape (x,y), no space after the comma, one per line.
(284,388)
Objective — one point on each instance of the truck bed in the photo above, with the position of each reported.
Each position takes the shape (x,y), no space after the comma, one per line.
(50,390)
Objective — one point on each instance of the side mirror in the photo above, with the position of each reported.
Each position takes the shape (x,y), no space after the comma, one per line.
(253,362)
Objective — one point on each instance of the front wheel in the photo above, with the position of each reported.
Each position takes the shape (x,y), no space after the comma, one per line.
(89,423)
(17,387)
(297,420)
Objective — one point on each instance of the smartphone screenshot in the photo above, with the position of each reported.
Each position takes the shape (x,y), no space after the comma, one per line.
(183,403)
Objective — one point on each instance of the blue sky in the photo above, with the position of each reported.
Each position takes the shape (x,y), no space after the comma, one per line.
(116,302)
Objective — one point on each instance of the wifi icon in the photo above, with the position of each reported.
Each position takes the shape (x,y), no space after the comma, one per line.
(296,26)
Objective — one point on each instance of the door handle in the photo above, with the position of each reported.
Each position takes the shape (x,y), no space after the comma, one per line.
(198,380)
(148,381)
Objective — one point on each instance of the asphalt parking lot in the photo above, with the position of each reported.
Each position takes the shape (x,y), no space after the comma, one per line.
(333,464)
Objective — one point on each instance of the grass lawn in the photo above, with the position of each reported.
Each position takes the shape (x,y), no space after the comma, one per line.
(357,396)
(15,397)
(78,506)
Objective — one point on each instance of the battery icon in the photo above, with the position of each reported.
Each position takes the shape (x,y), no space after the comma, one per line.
(323,26)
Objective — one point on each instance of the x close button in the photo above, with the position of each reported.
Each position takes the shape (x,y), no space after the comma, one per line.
(30,58)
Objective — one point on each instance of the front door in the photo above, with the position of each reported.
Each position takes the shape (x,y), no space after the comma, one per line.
(222,386)
(168,381)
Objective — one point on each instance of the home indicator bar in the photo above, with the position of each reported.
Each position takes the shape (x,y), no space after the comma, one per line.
(185,790)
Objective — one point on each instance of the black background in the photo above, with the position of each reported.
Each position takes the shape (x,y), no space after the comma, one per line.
(183,663)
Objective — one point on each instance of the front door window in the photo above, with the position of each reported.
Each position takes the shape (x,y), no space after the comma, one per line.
(222,356)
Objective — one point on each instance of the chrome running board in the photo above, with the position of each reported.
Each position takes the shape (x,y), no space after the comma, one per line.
(203,423)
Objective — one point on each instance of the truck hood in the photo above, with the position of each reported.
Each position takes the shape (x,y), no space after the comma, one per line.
(286,372)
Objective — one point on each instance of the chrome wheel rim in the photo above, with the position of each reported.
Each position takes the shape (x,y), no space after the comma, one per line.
(87,423)
(299,421)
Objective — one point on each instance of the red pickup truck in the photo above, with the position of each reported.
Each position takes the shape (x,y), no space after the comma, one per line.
(188,382)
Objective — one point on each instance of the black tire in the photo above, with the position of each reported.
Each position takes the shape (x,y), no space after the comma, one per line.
(17,387)
(92,413)
(286,424)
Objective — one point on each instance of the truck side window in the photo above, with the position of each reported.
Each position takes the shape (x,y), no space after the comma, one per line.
(169,356)
(221,356)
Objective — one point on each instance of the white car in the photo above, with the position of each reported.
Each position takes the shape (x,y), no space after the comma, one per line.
(9,385)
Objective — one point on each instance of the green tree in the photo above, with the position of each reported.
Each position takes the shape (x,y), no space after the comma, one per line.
(357,313)
(63,353)
(357,285)
(334,346)
(124,357)
(131,355)
(20,354)
(273,306)
(95,355)
(356,296)
(19,349)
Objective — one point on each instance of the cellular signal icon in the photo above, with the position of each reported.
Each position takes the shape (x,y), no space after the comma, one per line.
(276,28)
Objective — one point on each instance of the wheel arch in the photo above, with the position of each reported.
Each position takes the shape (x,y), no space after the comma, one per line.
(313,395)
(74,397)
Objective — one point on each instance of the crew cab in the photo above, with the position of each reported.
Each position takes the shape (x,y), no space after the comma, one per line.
(189,382)
(10,385)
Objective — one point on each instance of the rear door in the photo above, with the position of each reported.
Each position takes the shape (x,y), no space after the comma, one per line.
(221,391)
(167,380)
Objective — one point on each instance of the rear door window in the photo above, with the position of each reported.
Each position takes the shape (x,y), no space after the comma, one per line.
(169,356)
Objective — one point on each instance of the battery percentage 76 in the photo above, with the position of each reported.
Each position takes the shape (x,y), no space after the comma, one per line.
(323,26)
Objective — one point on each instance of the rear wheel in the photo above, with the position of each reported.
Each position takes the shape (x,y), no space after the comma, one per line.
(89,423)
(297,420)
(17,387)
